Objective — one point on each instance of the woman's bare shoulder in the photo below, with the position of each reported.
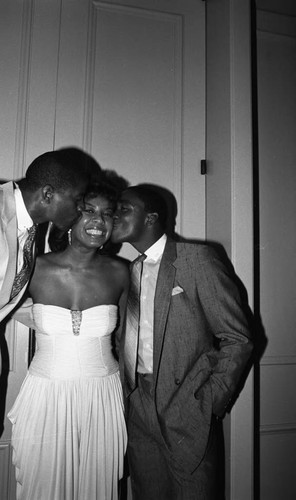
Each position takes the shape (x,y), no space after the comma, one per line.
(48,260)
(46,269)
(49,257)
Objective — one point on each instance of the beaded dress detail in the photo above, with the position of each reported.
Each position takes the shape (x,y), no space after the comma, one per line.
(76,321)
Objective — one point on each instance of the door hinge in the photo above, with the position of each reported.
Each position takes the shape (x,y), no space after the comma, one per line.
(203,167)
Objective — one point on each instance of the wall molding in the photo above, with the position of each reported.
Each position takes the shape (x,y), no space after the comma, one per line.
(5,459)
(278,360)
(89,79)
(242,423)
(277,24)
(24,89)
(278,428)
(97,6)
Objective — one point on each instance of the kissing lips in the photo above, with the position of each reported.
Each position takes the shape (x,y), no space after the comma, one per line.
(116,224)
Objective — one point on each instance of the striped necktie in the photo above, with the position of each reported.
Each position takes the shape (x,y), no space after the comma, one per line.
(132,325)
(22,277)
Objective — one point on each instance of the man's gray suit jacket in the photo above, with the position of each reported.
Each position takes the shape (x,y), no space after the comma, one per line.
(201,347)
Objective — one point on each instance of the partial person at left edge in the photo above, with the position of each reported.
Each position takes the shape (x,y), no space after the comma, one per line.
(52,190)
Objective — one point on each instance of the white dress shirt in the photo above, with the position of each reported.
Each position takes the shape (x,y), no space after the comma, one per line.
(148,285)
(24,222)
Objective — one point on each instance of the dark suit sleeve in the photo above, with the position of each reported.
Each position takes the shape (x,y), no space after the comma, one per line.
(221,302)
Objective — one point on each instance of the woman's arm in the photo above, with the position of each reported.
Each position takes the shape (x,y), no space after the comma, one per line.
(24,314)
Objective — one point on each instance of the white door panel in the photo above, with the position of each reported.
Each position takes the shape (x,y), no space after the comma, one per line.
(133,95)
(125,81)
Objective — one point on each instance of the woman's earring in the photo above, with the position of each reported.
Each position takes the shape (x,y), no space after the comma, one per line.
(70,236)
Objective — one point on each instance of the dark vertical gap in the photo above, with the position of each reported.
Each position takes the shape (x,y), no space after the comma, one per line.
(256,223)
(40,245)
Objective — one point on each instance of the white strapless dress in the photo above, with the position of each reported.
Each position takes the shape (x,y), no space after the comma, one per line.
(69,435)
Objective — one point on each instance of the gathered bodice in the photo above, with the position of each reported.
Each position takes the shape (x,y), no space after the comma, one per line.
(73,344)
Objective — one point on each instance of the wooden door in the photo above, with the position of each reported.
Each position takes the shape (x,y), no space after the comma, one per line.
(135,96)
(123,80)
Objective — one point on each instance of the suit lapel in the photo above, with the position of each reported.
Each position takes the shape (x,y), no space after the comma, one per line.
(10,235)
(162,300)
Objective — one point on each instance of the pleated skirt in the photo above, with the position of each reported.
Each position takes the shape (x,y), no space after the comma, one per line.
(68,438)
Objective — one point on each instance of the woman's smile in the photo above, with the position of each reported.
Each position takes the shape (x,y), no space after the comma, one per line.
(94,232)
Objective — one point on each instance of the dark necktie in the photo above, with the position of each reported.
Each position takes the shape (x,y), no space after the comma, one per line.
(132,325)
(22,277)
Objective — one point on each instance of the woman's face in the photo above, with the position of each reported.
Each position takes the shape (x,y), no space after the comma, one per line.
(95,225)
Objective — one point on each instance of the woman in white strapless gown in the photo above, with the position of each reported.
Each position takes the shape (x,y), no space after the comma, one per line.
(69,435)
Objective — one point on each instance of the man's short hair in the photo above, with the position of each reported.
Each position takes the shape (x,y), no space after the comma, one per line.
(153,201)
(56,168)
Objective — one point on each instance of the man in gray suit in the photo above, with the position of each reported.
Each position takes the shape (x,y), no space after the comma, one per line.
(193,345)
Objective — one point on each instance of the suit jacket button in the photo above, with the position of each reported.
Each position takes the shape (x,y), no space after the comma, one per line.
(177,381)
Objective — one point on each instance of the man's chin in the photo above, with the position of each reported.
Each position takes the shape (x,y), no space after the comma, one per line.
(65,226)
(116,238)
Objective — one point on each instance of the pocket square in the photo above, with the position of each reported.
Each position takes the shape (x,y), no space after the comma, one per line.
(177,290)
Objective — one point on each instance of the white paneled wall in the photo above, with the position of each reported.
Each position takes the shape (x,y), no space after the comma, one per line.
(123,80)
(276,46)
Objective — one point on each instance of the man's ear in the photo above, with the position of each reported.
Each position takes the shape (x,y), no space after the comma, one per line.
(152,218)
(47,193)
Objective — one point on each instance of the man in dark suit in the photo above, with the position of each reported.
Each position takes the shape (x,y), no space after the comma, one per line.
(193,345)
